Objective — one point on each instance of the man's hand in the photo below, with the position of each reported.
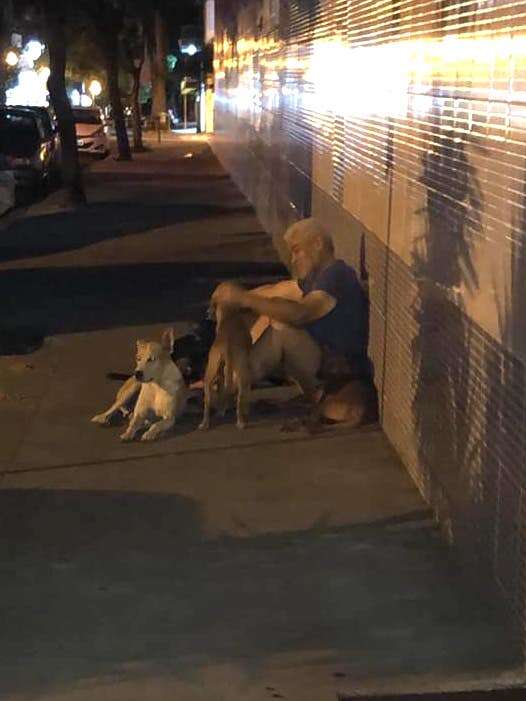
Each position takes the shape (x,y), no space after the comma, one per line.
(230,294)
(313,306)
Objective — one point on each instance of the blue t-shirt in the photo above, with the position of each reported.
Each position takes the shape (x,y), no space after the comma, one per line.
(344,329)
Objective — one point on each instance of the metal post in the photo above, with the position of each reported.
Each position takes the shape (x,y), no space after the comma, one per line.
(185,111)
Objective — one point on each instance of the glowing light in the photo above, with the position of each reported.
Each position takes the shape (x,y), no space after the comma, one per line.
(394,79)
(85,101)
(31,89)
(34,50)
(11,58)
(44,74)
(191,50)
(75,98)
(95,88)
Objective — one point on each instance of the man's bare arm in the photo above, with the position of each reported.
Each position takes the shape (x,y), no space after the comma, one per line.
(287,289)
(313,306)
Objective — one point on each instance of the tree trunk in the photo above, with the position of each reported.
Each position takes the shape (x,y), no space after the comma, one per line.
(69,158)
(137,129)
(3,76)
(158,66)
(112,72)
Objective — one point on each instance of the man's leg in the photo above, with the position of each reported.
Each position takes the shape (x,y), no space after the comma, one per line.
(290,348)
(301,358)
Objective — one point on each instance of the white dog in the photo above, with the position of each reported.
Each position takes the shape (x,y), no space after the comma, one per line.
(161,388)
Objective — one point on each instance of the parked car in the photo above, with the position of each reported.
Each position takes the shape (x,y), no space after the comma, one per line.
(25,149)
(51,132)
(7,191)
(91,134)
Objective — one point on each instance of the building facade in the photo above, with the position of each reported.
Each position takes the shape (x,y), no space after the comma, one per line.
(402,125)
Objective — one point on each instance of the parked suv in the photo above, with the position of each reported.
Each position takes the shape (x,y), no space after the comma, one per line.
(25,149)
(91,135)
(51,132)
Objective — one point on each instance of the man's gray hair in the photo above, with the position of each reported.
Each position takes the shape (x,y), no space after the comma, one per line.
(306,230)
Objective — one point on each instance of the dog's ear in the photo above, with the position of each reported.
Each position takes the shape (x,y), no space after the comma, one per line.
(168,340)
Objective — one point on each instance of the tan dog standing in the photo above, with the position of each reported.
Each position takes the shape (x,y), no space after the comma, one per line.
(228,365)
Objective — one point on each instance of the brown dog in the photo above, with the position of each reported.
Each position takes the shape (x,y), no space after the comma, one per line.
(228,365)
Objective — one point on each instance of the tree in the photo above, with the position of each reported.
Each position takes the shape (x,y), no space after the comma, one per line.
(51,19)
(85,58)
(55,14)
(107,19)
(158,49)
(164,13)
(133,49)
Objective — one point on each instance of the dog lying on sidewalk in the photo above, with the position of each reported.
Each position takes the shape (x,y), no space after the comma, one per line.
(346,397)
(162,391)
(228,367)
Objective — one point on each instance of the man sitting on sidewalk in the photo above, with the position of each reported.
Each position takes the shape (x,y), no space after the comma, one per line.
(302,326)
(320,314)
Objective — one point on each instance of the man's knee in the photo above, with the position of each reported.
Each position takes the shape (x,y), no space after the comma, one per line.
(297,341)
(301,354)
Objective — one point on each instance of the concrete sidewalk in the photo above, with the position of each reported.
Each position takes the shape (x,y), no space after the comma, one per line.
(231,565)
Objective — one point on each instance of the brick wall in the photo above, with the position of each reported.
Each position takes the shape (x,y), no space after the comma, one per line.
(402,125)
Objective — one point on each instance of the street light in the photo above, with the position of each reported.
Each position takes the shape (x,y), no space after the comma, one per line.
(75,97)
(44,74)
(95,88)
(190,50)
(11,59)
(34,50)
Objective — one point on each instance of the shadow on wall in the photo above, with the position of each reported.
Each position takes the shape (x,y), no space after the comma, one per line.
(442,265)
(470,398)
(505,444)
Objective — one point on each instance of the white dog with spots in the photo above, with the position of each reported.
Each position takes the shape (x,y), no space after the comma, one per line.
(161,388)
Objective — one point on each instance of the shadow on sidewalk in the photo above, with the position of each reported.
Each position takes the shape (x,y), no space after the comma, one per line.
(116,585)
(42,235)
(66,300)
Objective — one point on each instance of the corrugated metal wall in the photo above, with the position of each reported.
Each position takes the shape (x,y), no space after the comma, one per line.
(402,123)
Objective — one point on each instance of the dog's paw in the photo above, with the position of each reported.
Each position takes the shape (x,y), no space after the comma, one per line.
(149,436)
(204,425)
(100,419)
(241,425)
(127,437)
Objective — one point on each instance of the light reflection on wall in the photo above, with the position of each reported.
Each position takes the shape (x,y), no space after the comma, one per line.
(392,79)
